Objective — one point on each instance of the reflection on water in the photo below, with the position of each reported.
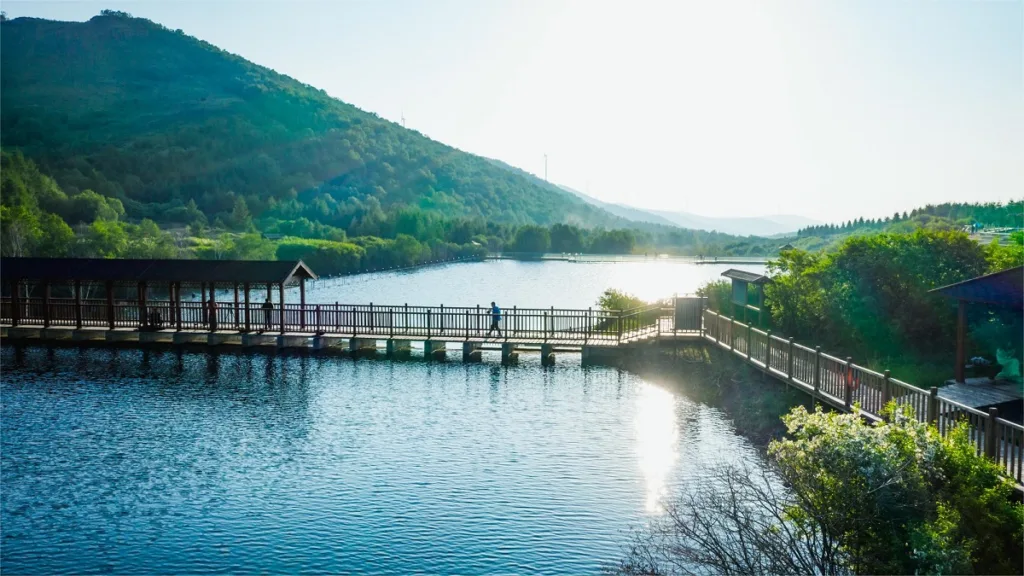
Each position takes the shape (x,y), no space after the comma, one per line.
(135,461)
(656,440)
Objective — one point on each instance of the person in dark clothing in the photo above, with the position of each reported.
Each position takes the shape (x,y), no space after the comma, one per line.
(213,314)
(495,318)
(268,310)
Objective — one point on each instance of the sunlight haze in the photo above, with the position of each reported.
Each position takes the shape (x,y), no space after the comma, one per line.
(831,110)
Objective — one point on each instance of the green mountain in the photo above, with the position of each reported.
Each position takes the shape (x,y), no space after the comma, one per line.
(155,118)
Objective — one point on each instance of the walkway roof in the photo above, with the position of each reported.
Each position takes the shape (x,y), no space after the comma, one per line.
(102,270)
(743,276)
(1004,288)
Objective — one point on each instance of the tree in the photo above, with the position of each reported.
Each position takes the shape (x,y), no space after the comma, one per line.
(240,218)
(566,238)
(841,496)
(56,238)
(532,239)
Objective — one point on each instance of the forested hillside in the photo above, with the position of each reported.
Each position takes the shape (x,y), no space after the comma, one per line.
(155,118)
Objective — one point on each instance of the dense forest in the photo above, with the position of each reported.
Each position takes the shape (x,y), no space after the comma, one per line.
(947,216)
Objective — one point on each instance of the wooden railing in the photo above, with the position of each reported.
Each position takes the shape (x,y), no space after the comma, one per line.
(842,383)
(517,324)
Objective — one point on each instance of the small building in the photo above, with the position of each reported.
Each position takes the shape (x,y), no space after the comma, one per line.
(747,295)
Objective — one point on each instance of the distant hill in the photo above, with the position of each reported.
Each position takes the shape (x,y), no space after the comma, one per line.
(156,118)
(766,226)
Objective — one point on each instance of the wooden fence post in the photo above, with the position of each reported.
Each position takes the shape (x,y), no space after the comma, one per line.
(428,323)
(933,404)
(319,330)
(768,352)
(618,322)
(372,328)
(78,304)
(391,322)
(545,326)
(441,320)
(110,304)
(991,439)
(817,370)
(177,306)
(750,341)
(46,305)
(732,334)
(848,384)
(245,287)
(590,322)
(886,389)
(790,363)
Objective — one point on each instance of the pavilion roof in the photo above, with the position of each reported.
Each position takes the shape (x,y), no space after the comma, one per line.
(102,270)
(744,276)
(1005,288)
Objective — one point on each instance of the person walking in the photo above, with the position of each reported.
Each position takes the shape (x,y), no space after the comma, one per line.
(212,308)
(495,318)
(268,311)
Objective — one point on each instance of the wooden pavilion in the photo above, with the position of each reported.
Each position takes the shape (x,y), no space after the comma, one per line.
(1005,288)
(146,293)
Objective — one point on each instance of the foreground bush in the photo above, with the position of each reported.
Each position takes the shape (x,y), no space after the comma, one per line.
(844,497)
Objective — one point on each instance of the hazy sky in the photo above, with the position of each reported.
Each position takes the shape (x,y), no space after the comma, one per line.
(827,109)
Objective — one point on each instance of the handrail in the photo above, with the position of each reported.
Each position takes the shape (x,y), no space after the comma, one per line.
(844,384)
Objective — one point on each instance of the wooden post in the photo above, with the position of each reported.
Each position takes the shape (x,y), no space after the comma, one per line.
(961,329)
(143,316)
(236,305)
(391,322)
(768,355)
(732,334)
(790,363)
(886,389)
(546,326)
(46,304)
(270,292)
(110,304)
(467,322)
(848,384)
(78,304)
(318,320)
(371,318)
(428,322)
(280,293)
(302,305)
(817,370)
(618,322)
(441,320)
(933,404)
(15,302)
(750,341)
(177,306)
(991,438)
(246,313)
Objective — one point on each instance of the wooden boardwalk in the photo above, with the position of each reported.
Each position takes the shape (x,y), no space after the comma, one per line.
(832,380)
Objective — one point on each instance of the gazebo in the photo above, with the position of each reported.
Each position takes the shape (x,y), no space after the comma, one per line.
(741,283)
(1005,288)
(49,291)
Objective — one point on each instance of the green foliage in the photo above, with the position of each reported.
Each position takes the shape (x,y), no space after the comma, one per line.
(155,118)
(896,498)
(719,295)
(943,217)
(532,239)
(871,297)
(612,299)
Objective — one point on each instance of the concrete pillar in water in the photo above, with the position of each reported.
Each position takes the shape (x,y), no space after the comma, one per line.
(189,338)
(88,334)
(398,348)
(156,337)
(547,355)
(434,349)
(218,338)
(57,333)
(253,339)
(292,341)
(122,336)
(599,354)
(362,346)
(508,353)
(471,352)
(326,342)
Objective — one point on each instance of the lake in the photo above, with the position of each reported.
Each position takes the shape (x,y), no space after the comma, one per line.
(120,460)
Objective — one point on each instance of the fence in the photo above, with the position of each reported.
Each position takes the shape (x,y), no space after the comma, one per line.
(842,383)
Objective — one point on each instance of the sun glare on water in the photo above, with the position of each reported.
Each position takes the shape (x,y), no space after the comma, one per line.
(656,435)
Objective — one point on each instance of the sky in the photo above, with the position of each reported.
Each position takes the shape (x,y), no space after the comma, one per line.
(827,109)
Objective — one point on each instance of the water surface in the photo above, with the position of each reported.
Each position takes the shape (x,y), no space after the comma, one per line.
(135,461)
